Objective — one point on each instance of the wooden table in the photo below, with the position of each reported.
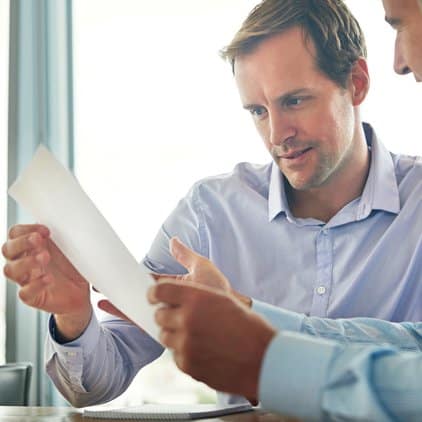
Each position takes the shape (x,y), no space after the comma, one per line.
(69,414)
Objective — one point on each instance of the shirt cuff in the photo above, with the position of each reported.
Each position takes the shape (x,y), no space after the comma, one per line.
(87,341)
(293,375)
(280,318)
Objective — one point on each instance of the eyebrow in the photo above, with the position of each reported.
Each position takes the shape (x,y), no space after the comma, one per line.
(393,21)
(282,98)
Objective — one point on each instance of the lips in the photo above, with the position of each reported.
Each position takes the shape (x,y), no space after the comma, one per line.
(295,154)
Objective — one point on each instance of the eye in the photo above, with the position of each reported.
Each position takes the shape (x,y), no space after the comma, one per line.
(257,112)
(293,101)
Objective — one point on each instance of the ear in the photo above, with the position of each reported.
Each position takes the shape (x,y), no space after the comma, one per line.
(359,81)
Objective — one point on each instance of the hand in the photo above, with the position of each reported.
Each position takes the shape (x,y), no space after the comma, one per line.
(47,280)
(215,338)
(200,270)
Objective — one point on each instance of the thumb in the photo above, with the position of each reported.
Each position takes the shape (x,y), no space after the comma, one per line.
(184,255)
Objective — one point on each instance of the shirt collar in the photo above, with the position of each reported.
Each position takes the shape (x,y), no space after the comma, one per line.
(277,199)
(380,191)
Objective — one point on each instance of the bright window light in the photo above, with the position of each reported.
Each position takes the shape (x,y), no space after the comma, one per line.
(4,72)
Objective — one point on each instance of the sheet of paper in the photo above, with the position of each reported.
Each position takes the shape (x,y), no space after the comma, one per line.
(54,198)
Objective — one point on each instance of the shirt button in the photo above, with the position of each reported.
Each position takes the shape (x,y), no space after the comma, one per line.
(321,290)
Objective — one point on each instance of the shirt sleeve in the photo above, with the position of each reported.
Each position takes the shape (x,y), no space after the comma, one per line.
(405,335)
(317,379)
(187,223)
(115,350)
(82,369)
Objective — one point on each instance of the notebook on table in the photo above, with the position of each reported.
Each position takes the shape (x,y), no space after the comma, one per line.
(168,412)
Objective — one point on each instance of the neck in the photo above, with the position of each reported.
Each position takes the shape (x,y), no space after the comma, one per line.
(325,201)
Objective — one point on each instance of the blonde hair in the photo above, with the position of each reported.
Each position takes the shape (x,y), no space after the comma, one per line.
(336,34)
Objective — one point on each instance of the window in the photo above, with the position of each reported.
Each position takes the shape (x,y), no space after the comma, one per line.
(156,109)
(4,71)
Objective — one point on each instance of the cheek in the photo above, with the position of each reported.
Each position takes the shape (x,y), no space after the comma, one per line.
(414,52)
(340,127)
(263,132)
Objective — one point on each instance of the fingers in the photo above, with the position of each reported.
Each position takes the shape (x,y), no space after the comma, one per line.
(170,291)
(25,269)
(23,245)
(160,277)
(169,339)
(170,318)
(184,255)
(108,307)
(22,229)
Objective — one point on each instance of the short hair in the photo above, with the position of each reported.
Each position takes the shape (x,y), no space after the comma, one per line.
(335,32)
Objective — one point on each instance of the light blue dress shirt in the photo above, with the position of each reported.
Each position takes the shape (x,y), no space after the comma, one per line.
(365,261)
(317,379)
(356,377)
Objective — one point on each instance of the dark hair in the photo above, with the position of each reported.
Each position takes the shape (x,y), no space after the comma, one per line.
(336,34)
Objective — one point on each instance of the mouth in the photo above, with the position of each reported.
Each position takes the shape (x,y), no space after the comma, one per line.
(293,155)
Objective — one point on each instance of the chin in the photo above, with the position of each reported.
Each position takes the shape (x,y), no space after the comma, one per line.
(299,185)
(304,184)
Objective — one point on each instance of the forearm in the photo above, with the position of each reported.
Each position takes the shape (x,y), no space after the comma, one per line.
(114,350)
(406,336)
(318,379)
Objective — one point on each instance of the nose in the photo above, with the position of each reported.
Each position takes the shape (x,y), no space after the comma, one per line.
(281,128)
(400,65)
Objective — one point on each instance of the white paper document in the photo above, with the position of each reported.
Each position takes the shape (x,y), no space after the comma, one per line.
(168,412)
(54,198)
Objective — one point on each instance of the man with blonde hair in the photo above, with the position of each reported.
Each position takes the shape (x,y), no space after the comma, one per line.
(355,377)
(315,231)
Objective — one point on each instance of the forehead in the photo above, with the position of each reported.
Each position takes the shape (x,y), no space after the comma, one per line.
(399,9)
(280,63)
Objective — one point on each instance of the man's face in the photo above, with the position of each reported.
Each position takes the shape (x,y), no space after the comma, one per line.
(405,16)
(307,121)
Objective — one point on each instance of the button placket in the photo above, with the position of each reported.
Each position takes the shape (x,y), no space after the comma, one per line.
(322,286)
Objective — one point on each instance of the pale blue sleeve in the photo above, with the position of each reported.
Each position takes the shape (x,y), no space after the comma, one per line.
(317,379)
(405,335)
(100,364)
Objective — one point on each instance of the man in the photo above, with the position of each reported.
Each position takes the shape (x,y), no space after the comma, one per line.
(308,241)
(405,19)
(291,373)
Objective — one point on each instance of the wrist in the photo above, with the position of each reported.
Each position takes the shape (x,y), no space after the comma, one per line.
(69,327)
